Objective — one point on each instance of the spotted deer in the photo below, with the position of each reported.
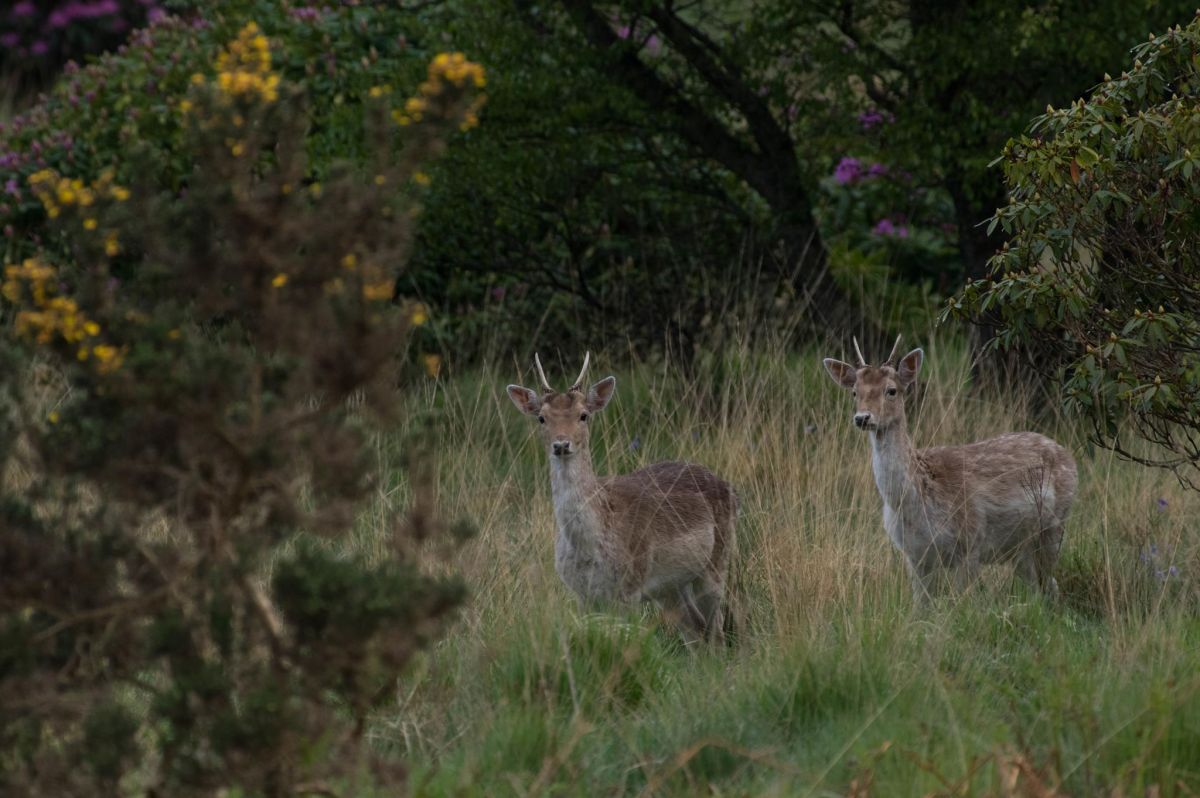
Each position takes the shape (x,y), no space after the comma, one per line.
(663,534)
(951,509)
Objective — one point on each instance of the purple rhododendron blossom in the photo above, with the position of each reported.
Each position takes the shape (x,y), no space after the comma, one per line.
(23,9)
(877,170)
(889,229)
(848,170)
(874,117)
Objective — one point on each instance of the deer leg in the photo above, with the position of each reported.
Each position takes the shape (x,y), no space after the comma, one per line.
(686,616)
(712,606)
(924,581)
(1045,557)
(965,574)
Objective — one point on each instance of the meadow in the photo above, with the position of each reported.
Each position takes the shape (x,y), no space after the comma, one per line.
(837,684)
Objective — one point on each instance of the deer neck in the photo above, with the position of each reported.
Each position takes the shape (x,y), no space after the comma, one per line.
(577,499)
(892,461)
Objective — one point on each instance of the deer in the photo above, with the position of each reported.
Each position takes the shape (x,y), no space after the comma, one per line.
(663,534)
(952,509)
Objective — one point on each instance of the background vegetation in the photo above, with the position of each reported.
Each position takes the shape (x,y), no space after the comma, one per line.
(259,310)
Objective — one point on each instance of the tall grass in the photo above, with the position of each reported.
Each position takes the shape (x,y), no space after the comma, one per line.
(838,685)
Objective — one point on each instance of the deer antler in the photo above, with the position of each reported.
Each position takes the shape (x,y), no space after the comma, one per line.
(542,375)
(578,384)
(891,361)
(862,361)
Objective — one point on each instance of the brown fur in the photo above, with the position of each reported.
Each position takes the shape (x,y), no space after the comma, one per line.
(951,509)
(664,533)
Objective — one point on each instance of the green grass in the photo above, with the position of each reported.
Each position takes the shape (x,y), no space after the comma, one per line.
(838,683)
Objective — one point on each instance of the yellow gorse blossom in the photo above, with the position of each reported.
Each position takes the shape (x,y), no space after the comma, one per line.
(57,193)
(445,70)
(54,318)
(244,68)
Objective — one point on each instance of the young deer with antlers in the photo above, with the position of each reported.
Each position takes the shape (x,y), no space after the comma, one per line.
(664,533)
(950,509)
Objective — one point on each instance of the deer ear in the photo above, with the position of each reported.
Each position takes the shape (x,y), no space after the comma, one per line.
(526,400)
(910,366)
(843,374)
(599,394)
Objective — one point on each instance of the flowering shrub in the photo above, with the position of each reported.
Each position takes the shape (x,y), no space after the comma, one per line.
(131,98)
(175,617)
(39,36)
(1102,272)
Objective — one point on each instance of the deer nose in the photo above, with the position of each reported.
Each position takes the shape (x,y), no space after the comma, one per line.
(560,448)
(862,419)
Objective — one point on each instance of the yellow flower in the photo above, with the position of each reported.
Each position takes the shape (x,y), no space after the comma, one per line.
(174,335)
(315,190)
(91,328)
(350,261)
(185,106)
(380,180)
(111,245)
(286,188)
(237,150)
(377,292)
(280,280)
(197,79)
(120,194)
(108,358)
(89,224)
(433,365)
(420,178)
(419,315)
(377,91)
(53,417)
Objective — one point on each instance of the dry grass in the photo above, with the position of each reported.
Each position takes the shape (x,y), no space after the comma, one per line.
(838,685)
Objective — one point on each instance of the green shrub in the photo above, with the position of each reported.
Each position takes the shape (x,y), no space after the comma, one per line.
(1103,270)
(168,615)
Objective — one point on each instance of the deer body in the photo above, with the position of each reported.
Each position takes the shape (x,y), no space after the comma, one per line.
(663,533)
(951,509)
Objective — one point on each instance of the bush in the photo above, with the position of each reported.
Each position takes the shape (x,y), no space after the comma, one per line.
(1103,269)
(37,37)
(176,614)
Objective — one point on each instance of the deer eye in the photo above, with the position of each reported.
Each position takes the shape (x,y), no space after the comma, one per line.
(541,419)
(891,391)
(583,417)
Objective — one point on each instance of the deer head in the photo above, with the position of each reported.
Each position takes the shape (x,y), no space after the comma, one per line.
(563,417)
(878,390)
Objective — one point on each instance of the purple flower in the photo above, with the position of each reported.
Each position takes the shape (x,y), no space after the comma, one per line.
(848,170)
(877,170)
(624,32)
(872,118)
(12,188)
(653,44)
(39,47)
(306,13)
(23,9)
(498,293)
(889,229)
(10,40)
(1162,505)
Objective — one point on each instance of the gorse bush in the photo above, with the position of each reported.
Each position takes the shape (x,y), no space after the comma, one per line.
(1103,267)
(175,615)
